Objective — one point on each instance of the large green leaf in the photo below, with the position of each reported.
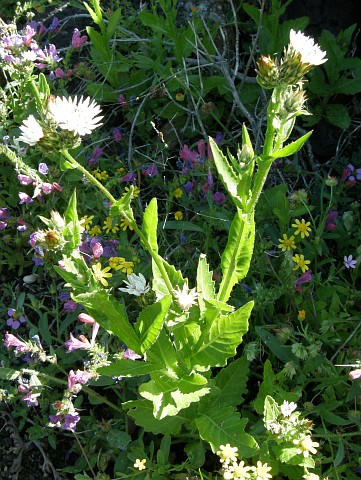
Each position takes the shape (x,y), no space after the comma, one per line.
(231,382)
(142,412)
(150,222)
(111,315)
(162,352)
(221,340)
(221,425)
(150,322)
(205,283)
(72,231)
(9,373)
(128,368)
(236,258)
(158,284)
(169,395)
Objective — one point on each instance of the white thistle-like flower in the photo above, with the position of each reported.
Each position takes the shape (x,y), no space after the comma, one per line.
(310,51)
(287,408)
(31,131)
(136,285)
(80,116)
(186,298)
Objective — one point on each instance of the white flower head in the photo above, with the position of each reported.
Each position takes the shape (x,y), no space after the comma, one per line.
(306,445)
(136,285)
(186,298)
(287,408)
(80,116)
(31,131)
(310,51)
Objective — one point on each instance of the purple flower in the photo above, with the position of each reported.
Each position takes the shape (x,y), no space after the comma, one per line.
(15,319)
(43,168)
(117,134)
(304,278)
(12,341)
(70,306)
(183,238)
(202,149)
(130,355)
(70,421)
(122,101)
(358,174)
(210,178)
(129,177)
(24,179)
(3,214)
(188,187)
(110,248)
(54,24)
(3,225)
(30,399)
(64,296)
(77,40)
(47,188)
(349,261)
(219,198)
(188,155)
(24,198)
(151,170)
(38,261)
(75,344)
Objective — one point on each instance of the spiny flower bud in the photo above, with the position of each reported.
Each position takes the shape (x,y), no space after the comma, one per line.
(268,72)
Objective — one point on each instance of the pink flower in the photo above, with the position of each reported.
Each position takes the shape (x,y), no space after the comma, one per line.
(355,374)
(97,250)
(24,198)
(78,377)
(130,355)
(47,188)
(24,179)
(122,101)
(12,341)
(57,187)
(30,399)
(85,318)
(77,40)
(304,278)
(75,344)
(188,155)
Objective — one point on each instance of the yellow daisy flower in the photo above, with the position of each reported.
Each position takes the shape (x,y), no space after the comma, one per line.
(301,263)
(109,226)
(95,231)
(178,215)
(124,224)
(301,315)
(302,227)
(86,221)
(100,175)
(126,267)
(286,243)
(136,191)
(101,274)
(115,261)
(178,192)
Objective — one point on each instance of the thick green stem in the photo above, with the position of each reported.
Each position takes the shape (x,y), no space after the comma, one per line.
(39,102)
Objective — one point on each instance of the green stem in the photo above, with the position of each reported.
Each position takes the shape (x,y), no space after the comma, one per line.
(39,102)
(157,259)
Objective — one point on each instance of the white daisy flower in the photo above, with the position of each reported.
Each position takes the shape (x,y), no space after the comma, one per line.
(287,408)
(80,116)
(310,51)
(186,298)
(31,131)
(136,285)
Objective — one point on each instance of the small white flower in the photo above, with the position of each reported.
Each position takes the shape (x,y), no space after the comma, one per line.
(140,464)
(78,116)
(287,408)
(306,445)
(31,131)
(310,52)
(136,285)
(186,298)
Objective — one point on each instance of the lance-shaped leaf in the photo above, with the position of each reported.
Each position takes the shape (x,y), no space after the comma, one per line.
(142,412)
(292,147)
(222,339)
(237,255)
(111,315)
(162,351)
(72,230)
(170,395)
(205,283)
(228,176)
(123,367)
(150,223)
(219,426)
(122,206)
(150,322)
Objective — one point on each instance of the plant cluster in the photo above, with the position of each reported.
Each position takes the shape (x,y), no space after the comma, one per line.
(181,282)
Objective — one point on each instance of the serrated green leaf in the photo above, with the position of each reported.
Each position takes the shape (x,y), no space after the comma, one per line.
(150,322)
(228,175)
(162,352)
(128,368)
(111,315)
(205,283)
(338,115)
(292,147)
(142,413)
(150,223)
(232,381)
(271,410)
(219,343)
(169,396)
(219,426)
(236,257)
